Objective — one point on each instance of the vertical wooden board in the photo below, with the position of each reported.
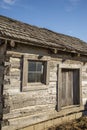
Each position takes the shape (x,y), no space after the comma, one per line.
(24,74)
(76,92)
(70,88)
(67,86)
(63,102)
(47,72)
(59,88)
(80,86)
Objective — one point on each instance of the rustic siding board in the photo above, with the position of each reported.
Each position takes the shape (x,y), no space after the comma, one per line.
(70,92)
(63,96)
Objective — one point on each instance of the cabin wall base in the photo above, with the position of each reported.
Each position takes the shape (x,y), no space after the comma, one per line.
(45,125)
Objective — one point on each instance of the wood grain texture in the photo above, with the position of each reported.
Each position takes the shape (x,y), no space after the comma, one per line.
(43,99)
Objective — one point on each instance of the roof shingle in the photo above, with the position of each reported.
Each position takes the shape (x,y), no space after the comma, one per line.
(17,30)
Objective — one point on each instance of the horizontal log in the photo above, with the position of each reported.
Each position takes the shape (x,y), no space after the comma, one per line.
(30,110)
(15,83)
(84,78)
(16,62)
(20,101)
(84,83)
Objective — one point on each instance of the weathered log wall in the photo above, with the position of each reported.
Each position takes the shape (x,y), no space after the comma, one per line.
(39,103)
(2,66)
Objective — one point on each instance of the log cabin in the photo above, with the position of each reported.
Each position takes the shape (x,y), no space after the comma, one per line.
(43,76)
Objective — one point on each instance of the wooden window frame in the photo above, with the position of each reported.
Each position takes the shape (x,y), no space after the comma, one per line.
(68,66)
(36,85)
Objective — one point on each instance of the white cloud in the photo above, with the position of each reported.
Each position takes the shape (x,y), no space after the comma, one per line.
(3,6)
(72,5)
(74,2)
(6,4)
(9,1)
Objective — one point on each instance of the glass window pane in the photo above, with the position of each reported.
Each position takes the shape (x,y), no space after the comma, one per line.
(31,77)
(38,79)
(31,66)
(39,66)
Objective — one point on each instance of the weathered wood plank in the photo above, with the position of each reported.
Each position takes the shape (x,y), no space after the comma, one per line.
(18,102)
(28,111)
(64,84)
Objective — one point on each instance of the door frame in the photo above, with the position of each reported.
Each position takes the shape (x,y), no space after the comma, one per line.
(59,82)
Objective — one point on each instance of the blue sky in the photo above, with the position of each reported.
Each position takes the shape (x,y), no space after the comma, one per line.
(63,16)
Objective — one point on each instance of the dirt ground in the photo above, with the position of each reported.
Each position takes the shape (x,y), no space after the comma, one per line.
(79,124)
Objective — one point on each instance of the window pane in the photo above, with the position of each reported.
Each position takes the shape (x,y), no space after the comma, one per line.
(31,77)
(34,77)
(31,66)
(38,77)
(39,66)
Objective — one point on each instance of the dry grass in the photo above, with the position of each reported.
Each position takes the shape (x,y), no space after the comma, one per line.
(79,124)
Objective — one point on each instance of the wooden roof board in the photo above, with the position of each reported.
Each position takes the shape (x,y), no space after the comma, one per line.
(40,36)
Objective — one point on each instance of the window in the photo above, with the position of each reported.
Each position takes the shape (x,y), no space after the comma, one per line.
(35,71)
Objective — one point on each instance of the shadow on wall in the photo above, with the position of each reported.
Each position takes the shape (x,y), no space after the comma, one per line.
(85,109)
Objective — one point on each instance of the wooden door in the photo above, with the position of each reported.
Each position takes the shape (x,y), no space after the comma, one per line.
(70,87)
